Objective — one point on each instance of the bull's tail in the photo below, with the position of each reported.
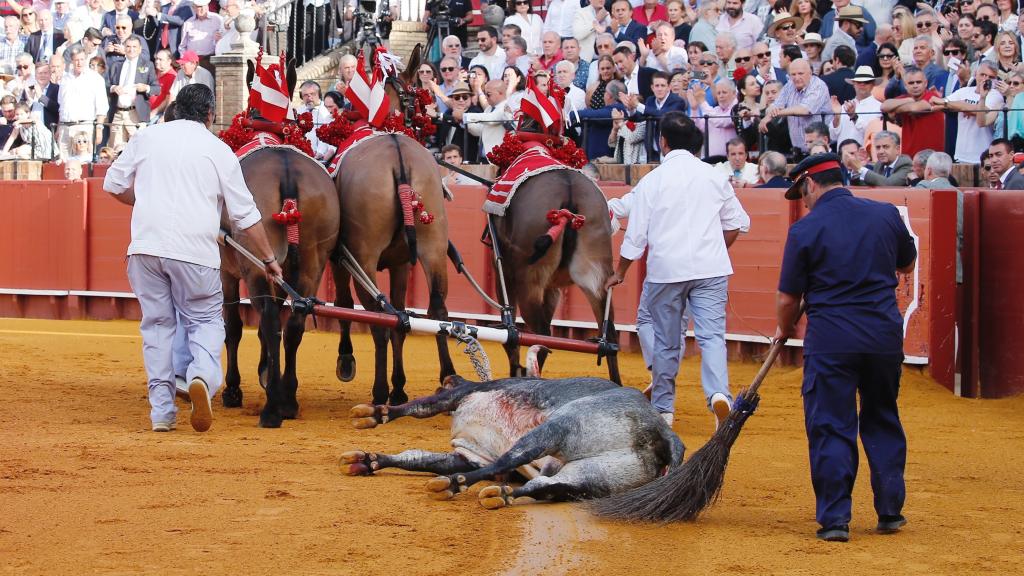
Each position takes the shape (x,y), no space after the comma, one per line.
(406,198)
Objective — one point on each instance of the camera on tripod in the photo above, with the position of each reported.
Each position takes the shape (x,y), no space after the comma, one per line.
(374,26)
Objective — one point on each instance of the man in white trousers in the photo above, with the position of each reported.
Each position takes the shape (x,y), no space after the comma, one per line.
(173,260)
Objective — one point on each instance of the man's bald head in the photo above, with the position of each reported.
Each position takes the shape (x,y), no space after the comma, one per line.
(800,73)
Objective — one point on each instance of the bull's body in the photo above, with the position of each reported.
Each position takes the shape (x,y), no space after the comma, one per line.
(572,439)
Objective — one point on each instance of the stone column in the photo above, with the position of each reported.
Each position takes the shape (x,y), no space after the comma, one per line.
(232,90)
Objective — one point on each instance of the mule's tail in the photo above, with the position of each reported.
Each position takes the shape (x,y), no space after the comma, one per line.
(289,217)
(558,220)
(406,198)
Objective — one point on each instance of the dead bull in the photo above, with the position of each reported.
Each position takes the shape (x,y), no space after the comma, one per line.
(572,439)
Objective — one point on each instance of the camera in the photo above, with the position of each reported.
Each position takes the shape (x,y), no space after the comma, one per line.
(987,85)
(698,74)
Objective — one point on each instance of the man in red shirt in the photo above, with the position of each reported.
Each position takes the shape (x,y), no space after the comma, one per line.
(924,127)
(165,75)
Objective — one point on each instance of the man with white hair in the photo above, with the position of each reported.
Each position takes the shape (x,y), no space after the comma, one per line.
(804,96)
(571,53)
(720,127)
(11,44)
(346,70)
(772,168)
(744,26)
(972,139)
(551,53)
(603,45)
(725,47)
(663,54)
(575,98)
(451,47)
(936,176)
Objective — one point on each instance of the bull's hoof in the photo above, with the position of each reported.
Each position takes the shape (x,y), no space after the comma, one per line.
(231,397)
(494,497)
(346,369)
(358,463)
(442,488)
(365,416)
(270,418)
(398,397)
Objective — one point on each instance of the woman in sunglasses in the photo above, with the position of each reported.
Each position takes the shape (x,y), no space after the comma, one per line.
(521,14)
(888,62)
(29,24)
(1007,51)
(904,30)
(426,75)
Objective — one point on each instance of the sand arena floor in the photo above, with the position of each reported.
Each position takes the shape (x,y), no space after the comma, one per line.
(86,488)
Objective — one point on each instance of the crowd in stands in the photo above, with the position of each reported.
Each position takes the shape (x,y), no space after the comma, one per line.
(879,81)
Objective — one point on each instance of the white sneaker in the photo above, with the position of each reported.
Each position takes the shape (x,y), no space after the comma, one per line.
(721,406)
(668,417)
(202,409)
(181,388)
(164,426)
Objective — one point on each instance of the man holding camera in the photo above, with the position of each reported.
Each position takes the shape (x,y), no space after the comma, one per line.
(972,139)
(450,14)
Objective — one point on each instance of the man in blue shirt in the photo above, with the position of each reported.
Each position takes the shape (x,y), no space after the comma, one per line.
(842,259)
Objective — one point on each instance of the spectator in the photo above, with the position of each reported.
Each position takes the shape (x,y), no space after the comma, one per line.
(924,56)
(1008,51)
(459,13)
(44,41)
(1003,174)
(923,125)
(508,32)
(623,27)
(132,81)
(41,96)
(190,72)
(24,71)
(772,168)
(530,25)
(73,170)
(567,16)
(807,12)
(551,53)
(725,47)
(649,11)
(984,41)
(777,129)
(694,50)
(199,34)
(917,167)
(955,52)
(718,124)
(489,124)
(678,18)
(744,26)
(37,140)
(829,19)
(61,14)
(607,72)
(763,67)
(936,176)
(704,30)
(740,172)
(450,125)
(165,76)
(603,46)
(847,149)
(449,80)
(8,116)
(851,120)
(783,30)
(804,96)
(231,10)
(589,21)
(452,154)
(309,92)
(571,53)
(575,99)
(972,138)
(346,70)
(334,102)
(598,122)
(891,169)
(553,17)
(89,14)
(849,26)
(661,102)
(28,22)
(838,82)
(114,46)
(627,140)
(426,75)
(515,55)
(811,46)
(490,55)
(81,150)
(161,24)
(663,54)
(57,65)
(122,9)
(82,102)
(451,47)
(11,44)
(90,43)
(888,60)
(816,133)
(868,55)
(637,78)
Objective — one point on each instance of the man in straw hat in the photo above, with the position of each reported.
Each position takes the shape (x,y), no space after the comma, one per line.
(841,260)
(784,28)
(859,111)
(829,20)
(851,22)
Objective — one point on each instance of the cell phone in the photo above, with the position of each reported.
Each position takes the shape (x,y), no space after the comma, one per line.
(472,75)
(953,64)
(698,74)
(987,85)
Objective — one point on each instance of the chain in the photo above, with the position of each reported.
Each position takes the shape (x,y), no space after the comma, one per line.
(477,356)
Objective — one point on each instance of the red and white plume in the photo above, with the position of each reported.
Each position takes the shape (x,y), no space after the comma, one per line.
(541,107)
(367,96)
(268,93)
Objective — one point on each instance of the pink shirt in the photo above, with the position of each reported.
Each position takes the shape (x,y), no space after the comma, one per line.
(720,127)
(199,35)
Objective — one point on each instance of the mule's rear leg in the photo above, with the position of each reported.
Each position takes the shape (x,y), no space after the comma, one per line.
(597,304)
(346,365)
(399,280)
(358,463)
(293,331)
(232,395)
(434,263)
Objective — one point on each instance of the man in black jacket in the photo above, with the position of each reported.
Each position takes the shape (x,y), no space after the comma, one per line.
(42,42)
(450,129)
(42,95)
(843,59)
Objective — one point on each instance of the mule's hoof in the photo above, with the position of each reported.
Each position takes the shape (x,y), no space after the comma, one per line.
(362,411)
(346,370)
(494,497)
(357,463)
(231,398)
(441,488)
(270,419)
(398,397)
(289,412)
(263,379)
(364,423)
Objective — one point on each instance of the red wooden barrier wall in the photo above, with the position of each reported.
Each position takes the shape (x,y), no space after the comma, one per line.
(72,237)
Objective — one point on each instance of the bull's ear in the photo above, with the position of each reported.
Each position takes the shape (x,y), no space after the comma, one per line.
(409,74)
(291,76)
(250,72)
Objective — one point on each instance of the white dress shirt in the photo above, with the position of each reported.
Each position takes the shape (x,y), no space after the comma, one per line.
(179,191)
(867,111)
(321,115)
(127,82)
(676,58)
(748,174)
(495,63)
(82,98)
(680,222)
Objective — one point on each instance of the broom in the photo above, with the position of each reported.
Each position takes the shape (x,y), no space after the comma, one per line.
(689,489)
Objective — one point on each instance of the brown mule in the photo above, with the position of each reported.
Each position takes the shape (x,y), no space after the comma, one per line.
(373,231)
(273,175)
(536,276)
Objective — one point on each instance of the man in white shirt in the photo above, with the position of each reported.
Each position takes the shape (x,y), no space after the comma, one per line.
(858,112)
(309,91)
(663,54)
(685,226)
(489,124)
(491,56)
(173,259)
(82,102)
(190,73)
(88,15)
(575,99)
(972,139)
(740,172)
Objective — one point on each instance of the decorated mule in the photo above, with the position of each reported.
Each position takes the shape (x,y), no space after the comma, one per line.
(393,213)
(568,439)
(550,221)
(300,211)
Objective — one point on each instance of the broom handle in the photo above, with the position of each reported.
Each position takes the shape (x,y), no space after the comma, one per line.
(773,353)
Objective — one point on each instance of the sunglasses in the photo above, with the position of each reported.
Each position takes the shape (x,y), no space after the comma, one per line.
(763,54)
(1015,83)
(120,27)
(447,68)
(522,3)
(886,56)
(951,52)
(427,71)
(966,2)
(787,27)
(460,96)
(985,18)
(707,62)
(743,58)
(23,66)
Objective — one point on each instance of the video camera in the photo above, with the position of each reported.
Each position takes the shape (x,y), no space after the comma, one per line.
(374,26)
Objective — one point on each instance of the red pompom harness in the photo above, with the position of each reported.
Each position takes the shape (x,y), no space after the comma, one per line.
(289,216)
(558,220)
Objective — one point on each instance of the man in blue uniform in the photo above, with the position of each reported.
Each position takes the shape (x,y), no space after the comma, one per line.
(842,259)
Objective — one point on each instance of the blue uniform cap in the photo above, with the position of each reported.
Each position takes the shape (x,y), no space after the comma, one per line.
(811,165)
